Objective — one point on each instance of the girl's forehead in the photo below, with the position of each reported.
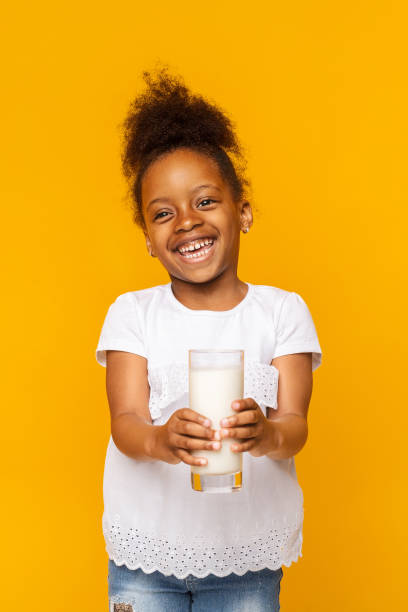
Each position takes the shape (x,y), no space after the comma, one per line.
(181,164)
(180,170)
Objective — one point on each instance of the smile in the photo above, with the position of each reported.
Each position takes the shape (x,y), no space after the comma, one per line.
(198,251)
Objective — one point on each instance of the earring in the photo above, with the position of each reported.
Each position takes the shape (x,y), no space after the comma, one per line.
(246,229)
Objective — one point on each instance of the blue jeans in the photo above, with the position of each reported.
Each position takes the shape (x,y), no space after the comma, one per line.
(136,591)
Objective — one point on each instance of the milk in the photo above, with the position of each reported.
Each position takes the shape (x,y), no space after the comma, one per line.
(212,390)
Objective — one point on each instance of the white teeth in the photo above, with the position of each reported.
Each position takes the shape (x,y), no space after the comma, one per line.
(197,254)
(196,245)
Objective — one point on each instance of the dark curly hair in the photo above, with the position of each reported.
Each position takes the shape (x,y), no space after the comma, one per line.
(166,117)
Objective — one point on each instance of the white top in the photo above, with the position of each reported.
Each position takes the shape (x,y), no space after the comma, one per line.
(152,517)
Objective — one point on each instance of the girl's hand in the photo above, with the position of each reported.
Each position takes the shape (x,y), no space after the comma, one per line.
(186,430)
(254,431)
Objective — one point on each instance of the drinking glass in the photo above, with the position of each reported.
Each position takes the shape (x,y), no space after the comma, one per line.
(216,379)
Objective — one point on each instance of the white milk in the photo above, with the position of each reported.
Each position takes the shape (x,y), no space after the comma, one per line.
(212,390)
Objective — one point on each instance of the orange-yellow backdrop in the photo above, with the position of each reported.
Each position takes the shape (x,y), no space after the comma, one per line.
(318,92)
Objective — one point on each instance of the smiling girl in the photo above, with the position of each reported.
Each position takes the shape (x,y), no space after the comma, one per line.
(170,547)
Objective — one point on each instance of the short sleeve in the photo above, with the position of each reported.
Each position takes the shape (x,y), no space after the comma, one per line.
(121,329)
(296,332)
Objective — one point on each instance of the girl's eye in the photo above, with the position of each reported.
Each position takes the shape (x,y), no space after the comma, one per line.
(161,213)
(206,200)
(164,212)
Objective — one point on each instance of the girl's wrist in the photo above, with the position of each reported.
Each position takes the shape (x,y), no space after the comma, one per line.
(272,438)
(153,443)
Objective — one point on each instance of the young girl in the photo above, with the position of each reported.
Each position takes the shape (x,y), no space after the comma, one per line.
(170,547)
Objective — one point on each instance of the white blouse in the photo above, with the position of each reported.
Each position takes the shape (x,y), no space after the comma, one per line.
(152,518)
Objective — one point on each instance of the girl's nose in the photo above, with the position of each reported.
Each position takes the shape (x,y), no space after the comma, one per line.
(187,220)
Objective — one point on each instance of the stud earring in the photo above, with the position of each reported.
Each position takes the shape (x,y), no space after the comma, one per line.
(245,230)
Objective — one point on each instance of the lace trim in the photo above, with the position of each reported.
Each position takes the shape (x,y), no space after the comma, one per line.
(170,382)
(275,547)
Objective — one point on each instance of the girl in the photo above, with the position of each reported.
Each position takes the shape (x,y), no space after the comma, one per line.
(170,547)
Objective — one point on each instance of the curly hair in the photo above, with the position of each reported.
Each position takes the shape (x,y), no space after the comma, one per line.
(168,116)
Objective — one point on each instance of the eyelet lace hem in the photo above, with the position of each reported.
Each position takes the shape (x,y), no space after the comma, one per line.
(170,382)
(272,548)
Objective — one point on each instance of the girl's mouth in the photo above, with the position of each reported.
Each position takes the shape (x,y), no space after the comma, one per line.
(199,251)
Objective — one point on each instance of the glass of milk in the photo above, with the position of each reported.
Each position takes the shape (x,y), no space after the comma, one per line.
(216,379)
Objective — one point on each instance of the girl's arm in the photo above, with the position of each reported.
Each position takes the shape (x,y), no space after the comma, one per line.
(285,431)
(132,430)
(294,395)
(128,391)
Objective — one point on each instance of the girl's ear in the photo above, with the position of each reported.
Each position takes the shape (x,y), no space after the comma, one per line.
(245,215)
(149,244)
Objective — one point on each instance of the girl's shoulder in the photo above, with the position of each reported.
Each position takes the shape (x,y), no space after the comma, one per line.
(270,292)
(269,296)
(286,306)
(142,297)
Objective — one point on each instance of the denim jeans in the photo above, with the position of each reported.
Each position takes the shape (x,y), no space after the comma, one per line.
(134,591)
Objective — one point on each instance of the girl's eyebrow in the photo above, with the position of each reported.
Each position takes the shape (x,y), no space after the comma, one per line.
(192,191)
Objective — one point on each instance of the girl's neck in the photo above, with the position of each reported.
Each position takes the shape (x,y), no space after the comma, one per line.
(218,294)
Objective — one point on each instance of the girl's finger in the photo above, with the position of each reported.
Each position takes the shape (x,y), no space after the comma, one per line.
(186,414)
(189,459)
(189,428)
(185,442)
(242,418)
(244,404)
(240,432)
(244,446)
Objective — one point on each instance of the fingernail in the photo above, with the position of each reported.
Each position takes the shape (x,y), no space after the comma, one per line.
(216,445)
(203,461)
(234,446)
(207,423)
(217,435)
(224,432)
(235,404)
(224,422)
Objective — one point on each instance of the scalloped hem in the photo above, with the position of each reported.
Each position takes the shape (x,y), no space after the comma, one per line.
(181,576)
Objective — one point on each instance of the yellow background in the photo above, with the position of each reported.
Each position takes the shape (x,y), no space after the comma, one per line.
(318,91)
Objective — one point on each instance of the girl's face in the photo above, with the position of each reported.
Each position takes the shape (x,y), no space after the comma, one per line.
(186,203)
